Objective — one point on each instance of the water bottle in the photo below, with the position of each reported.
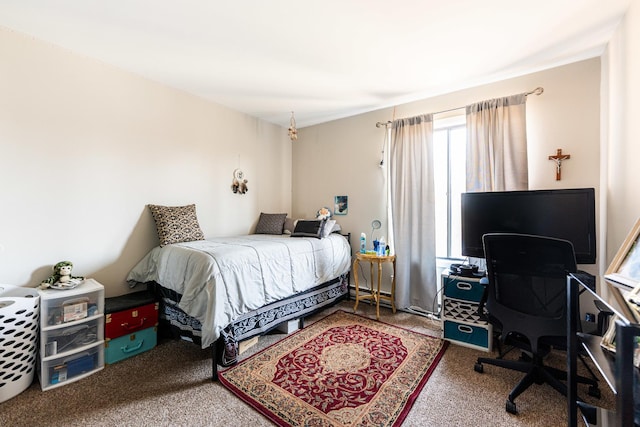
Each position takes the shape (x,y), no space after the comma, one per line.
(363,243)
(382,247)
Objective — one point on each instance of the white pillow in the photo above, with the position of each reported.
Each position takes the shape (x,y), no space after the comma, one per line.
(328,227)
(289,225)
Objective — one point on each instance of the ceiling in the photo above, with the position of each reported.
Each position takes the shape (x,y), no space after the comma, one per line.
(323,60)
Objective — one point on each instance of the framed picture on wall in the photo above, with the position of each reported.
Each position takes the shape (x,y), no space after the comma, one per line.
(623,275)
(608,341)
(625,267)
(341,205)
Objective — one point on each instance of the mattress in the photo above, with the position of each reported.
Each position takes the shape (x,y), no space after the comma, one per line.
(222,279)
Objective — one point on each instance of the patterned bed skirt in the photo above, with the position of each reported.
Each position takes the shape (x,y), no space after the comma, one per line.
(175,323)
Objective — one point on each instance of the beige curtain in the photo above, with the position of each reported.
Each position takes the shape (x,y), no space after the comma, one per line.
(497,145)
(412,211)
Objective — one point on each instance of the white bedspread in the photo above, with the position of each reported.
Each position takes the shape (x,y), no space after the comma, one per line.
(221,279)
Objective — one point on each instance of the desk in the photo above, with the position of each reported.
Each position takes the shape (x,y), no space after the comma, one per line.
(618,371)
(374,294)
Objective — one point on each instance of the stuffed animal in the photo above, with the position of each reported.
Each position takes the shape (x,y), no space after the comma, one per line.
(61,276)
(324,213)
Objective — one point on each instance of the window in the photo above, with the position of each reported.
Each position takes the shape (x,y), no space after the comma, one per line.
(449,151)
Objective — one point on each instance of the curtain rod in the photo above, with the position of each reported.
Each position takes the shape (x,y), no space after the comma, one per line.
(536,91)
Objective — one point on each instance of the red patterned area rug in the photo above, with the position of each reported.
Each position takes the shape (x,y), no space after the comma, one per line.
(344,370)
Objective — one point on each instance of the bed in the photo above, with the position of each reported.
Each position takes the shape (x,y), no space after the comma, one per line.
(219,292)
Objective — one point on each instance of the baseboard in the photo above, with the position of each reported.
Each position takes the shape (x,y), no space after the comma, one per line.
(387,304)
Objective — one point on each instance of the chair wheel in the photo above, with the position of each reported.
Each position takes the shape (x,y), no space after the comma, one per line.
(594,391)
(510,407)
(478,368)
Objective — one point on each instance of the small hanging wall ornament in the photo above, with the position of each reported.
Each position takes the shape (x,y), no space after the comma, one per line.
(293,132)
(239,185)
(558,158)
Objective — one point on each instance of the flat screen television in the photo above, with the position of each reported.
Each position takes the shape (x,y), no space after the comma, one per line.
(567,214)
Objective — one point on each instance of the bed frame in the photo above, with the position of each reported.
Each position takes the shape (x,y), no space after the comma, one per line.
(175,323)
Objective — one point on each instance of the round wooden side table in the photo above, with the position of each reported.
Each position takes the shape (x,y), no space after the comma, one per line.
(374,294)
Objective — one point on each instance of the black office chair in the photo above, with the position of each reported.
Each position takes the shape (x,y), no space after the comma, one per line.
(526,300)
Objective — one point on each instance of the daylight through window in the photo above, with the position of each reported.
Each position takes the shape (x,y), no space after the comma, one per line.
(449,150)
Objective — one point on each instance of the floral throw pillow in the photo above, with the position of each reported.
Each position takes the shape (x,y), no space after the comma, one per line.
(176,224)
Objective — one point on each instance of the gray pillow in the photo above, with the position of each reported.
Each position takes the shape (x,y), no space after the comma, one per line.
(269,223)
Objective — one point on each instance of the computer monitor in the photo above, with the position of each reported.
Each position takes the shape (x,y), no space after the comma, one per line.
(567,214)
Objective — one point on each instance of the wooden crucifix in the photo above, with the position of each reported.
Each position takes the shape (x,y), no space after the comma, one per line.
(558,158)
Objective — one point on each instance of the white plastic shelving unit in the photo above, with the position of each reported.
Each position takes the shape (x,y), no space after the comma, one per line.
(71,334)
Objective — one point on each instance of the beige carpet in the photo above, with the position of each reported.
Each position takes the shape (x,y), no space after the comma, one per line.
(170,386)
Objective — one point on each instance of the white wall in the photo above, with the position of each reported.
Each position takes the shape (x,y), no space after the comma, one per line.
(621,141)
(620,132)
(84,147)
(342,157)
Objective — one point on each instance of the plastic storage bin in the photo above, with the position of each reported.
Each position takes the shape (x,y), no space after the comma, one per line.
(69,339)
(72,367)
(65,309)
(71,334)
(19,316)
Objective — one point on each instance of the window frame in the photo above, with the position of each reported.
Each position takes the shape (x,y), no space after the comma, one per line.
(453,121)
